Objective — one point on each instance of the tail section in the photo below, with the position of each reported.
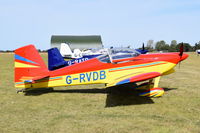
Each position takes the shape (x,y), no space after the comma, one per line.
(65,50)
(55,59)
(28,65)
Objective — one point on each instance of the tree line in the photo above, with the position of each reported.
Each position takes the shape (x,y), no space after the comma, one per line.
(172,47)
(158,46)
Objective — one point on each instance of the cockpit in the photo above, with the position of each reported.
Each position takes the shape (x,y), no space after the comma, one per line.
(118,54)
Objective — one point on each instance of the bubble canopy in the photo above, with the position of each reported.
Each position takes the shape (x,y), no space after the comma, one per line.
(118,54)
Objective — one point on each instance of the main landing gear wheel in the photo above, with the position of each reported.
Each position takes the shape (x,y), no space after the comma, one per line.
(151,89)
(154,92)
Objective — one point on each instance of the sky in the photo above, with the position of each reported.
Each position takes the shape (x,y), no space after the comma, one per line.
(119,22)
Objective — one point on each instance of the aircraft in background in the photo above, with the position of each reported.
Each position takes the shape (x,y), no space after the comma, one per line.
(198,51)
(66,52)
(55,56)
(55,59)
(112,69)
(78,56)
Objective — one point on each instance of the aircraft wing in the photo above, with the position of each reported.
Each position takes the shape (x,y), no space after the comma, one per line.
(136,78)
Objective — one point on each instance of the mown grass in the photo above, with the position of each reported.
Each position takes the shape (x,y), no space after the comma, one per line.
(93,108)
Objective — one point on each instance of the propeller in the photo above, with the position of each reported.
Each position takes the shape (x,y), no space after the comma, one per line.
(181,49)
(143,47)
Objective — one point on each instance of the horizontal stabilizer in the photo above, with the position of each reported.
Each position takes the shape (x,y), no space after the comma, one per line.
(39,76)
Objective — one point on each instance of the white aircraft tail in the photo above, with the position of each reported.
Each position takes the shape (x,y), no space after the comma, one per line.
(65,50)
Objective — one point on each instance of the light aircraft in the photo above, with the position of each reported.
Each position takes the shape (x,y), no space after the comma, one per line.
(112,69)
(198,51)
(79,56)
(76,56)
(55,59)
(66,52)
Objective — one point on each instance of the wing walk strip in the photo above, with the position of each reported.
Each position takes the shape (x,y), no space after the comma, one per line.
(136,66)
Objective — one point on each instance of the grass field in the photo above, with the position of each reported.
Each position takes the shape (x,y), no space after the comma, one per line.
(94,109)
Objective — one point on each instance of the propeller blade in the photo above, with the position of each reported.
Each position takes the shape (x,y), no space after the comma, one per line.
(181,53)
(181,50)
(143,47)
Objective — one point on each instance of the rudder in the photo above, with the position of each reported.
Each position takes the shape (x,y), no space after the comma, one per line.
(28,64)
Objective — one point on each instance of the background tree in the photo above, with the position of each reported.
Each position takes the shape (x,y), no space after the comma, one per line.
(196,46)
(173,46)
(161,45)
(150,44)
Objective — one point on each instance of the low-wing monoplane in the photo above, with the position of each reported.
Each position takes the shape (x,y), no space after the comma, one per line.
(112,69)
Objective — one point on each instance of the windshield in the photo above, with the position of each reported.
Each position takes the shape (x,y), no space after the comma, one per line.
(118,53)
(122,53)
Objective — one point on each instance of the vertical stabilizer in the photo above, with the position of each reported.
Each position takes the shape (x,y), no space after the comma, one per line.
(28,64)
(55,59)
(65,50)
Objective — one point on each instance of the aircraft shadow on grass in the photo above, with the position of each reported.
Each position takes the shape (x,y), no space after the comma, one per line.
(116,96)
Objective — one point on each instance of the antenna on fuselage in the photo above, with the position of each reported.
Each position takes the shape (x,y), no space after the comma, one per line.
(143,47)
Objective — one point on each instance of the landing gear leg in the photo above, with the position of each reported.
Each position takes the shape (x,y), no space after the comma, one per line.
(156,82)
